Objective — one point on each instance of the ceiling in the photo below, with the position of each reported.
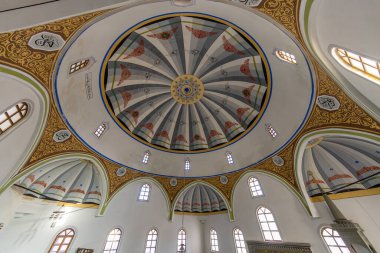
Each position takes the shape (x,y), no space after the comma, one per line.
(289,88)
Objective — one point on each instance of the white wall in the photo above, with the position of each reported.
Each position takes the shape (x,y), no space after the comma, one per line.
(33,233)
(353,25)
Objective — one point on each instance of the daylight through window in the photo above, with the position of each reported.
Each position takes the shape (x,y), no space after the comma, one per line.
(151,241)
(239,241)
(214,241)
(113,241)
(254,187)
(62,242)
(268,225)
(144,192)
(12,116)
(334,241)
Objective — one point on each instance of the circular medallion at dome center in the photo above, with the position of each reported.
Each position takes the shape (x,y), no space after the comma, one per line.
(187,89)
(186,83)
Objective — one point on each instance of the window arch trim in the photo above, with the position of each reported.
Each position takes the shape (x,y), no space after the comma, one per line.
(271,231)
(348,66)
(242,249)
(258,190)
(71,229)
(144,196)
(9,113)
(118,242)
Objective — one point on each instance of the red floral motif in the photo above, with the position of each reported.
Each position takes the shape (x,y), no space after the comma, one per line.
(367,169)
(138,51)
(126,97)
(244,68)
(228,125)
(338,176)
(180,138)
(43,183)
(31,178)
(94,192)
(197,137)
(200,34)
(125,74)
(247,92)
(240,112)
(164,35)
(315,181)
(230,48)
(135,115)
(164,134)
(149,126)
(77,191)
(58,187)
(213,133)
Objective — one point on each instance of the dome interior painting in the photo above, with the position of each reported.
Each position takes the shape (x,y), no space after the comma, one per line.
(186,83)
(335,162)
(200,198)
(70,180)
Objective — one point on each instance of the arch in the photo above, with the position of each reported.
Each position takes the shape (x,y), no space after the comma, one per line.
(291,188)
(60,242)
(102,171)
(148,179)
(113,240)
(300,148)
(184,189)
(40,101)
(268,225)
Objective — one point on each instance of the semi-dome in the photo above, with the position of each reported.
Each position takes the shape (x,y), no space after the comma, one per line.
(337,161)
(200,198)
(186,83)
(70,180)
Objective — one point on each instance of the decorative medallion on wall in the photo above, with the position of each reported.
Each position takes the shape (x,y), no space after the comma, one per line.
(278,161)
(173,182)
(328,103)
(250,3)
(223,179)
(186,83)
(183,3)
(121,171)
(61,135)
(46,41)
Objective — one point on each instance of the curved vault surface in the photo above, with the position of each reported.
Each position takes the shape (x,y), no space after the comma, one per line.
(206,122)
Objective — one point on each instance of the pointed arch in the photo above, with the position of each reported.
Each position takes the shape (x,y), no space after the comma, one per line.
(184,189)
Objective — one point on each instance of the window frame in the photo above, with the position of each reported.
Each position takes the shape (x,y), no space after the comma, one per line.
(250,190)
(324,241)
(182,229)
(22,120)
(217,241)
(146,239)
(149,192)
(118,245)
(245,244)
(279,57)
(332,50)
(56,237)
(274,220)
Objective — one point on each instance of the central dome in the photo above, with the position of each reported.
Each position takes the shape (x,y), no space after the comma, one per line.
(185,83)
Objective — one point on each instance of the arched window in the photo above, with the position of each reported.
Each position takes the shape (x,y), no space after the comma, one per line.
(268,225)
(214,241)
(113,241)
(334,241)
(239,241)
(79,65)
(254,187)
(144,192)
(62,242)
(181,241)
(12,116)
(286,57)
(151,241)
(360,65)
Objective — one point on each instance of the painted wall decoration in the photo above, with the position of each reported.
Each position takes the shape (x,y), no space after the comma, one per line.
(278,161)
(70,180)
(250,3)
(173,182)
(46,41)
(328,103)
(200,198)
(337,161)
(223,179)
(121,171)
(186,83)
(61,135)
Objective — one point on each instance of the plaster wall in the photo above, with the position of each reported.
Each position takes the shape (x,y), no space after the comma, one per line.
(33,233)
(352,25)
(16,142)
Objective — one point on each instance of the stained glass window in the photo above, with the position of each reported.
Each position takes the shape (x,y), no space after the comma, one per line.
(12,116)
(62,242)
